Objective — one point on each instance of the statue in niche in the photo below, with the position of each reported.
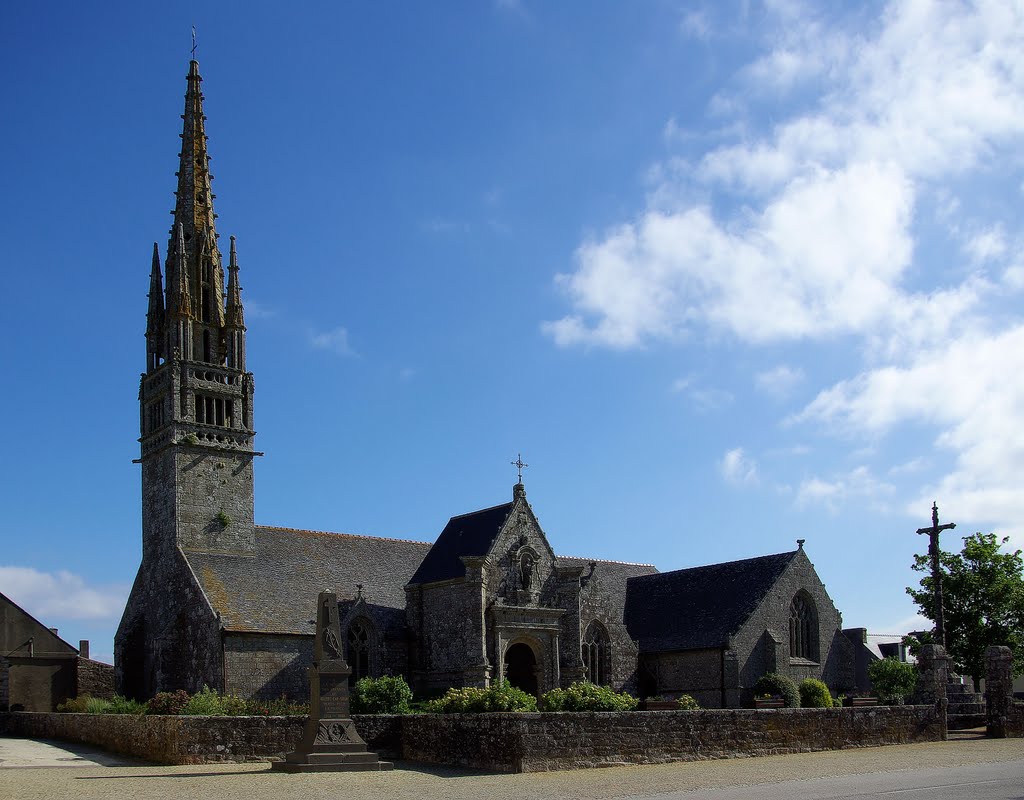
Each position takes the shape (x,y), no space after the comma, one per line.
(526,564)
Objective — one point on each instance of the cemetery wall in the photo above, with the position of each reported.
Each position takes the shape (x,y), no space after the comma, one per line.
(504,742)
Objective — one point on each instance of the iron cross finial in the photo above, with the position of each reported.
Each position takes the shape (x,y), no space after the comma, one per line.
(519,464)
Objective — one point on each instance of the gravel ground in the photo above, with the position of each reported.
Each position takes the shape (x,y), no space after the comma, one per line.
(414,782)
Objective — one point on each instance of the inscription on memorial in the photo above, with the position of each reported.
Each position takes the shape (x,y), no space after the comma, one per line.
(333,696)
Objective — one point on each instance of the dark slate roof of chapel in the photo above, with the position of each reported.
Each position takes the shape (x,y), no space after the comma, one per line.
(275,589)
(699,607)
(465,535)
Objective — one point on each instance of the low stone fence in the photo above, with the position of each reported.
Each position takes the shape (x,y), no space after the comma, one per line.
(503,742)
(538,742)
(1005,714)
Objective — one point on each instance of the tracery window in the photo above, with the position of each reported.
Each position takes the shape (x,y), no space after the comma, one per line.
(803,626)
(359,641)
(596,653)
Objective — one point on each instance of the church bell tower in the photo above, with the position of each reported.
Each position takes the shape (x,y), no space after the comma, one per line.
(195,396)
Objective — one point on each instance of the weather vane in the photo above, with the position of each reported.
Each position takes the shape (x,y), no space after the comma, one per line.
(193,42)
(519,464)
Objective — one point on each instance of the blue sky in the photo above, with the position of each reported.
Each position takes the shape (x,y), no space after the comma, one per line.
(727,275)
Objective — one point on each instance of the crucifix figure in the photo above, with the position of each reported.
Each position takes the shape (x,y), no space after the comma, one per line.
(933,551)
(519,464)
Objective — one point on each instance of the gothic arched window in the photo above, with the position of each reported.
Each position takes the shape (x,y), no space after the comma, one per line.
(596,653)
(360,639)
(803,628)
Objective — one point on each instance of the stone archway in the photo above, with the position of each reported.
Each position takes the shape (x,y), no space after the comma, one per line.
(521,667)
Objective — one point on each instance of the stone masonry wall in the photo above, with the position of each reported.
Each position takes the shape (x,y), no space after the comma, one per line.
(266,667)
(503,742)
(191,740)
(694,672)
(540,742)
(95,678)
(1005,715)
(169,637)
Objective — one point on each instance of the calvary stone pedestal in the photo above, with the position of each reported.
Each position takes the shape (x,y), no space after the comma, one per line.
(330,742)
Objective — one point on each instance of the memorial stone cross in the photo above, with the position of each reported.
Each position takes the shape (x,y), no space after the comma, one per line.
(933,551)
(329,742)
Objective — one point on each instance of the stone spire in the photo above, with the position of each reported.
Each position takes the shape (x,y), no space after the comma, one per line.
(155,314)
(194,217)
(193,209)
(235,317)
(179,297)
(234,322)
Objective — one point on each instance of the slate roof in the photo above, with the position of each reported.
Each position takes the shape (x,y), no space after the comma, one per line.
(274,590)
(465,535)
(699,607)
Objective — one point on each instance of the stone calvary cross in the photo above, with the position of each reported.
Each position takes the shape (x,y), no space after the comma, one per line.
(329,742)
(933,551)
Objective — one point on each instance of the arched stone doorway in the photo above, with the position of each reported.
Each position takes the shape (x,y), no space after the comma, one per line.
(521,668)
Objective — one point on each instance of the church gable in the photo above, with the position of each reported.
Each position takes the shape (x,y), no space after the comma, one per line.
(521,563)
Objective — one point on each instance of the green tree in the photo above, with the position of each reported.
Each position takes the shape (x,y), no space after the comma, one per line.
(892,680)
(983,599)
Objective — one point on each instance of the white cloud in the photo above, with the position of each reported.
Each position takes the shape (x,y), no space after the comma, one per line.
(935,89)
(703,398)
(257,310)
(805,232)
(738,468)
(986,245)
(779,381)
(335,341)
(695,24)
(971,390)
(909,467)
(833,493)
(822,258)
(49,595)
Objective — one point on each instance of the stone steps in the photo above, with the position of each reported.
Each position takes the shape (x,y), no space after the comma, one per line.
(966,708)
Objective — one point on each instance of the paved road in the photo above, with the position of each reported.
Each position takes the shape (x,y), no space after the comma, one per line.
(999,781)
(982,769)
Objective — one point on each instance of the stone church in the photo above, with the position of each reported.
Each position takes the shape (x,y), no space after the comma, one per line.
(221,601)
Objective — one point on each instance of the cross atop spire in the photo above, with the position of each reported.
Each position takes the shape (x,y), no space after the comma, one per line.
(519,464)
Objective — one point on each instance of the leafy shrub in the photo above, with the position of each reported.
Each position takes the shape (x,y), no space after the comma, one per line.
(87,704)
(122,705)
(205,703)
(168,702)
(279,707)
(384,695)
(893,680)
(687,703)
(75,705)
(499,697)
(584,696)
(776,685)
(814,694)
